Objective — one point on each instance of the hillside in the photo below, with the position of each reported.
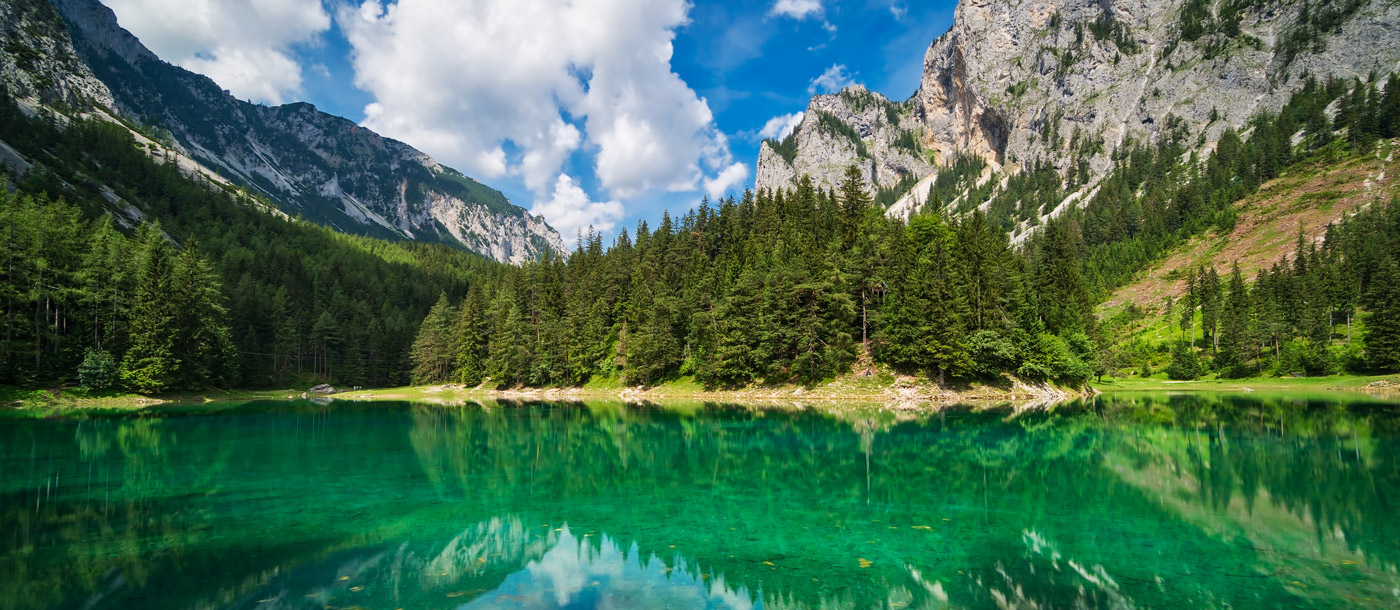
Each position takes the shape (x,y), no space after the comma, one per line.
(1031,86)
(1307,198)
(73,57)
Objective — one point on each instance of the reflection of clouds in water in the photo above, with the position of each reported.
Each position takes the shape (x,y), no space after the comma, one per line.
(1019,587)
(578,571)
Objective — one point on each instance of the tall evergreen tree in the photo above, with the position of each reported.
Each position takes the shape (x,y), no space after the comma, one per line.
(1382,335)
(435,350)
(150,364)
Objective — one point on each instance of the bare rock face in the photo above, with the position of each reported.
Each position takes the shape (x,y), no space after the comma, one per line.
(72,55)
(1069,82)
(38,64)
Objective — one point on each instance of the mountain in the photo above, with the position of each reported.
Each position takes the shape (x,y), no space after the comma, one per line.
(73,56)
(1029,85)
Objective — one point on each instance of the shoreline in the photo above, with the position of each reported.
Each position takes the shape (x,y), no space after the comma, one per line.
(1377,386)
(903,393)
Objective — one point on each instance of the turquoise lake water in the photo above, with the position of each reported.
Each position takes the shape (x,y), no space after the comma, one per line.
(1130,501)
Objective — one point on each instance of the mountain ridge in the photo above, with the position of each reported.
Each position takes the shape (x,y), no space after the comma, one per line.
(1069,83)
(324,168)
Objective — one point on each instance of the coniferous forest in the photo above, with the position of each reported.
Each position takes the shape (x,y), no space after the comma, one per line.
(791,287)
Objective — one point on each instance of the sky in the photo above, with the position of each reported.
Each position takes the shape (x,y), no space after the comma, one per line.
(589,112)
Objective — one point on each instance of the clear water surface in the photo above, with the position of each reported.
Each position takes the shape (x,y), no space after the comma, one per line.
(1120,502)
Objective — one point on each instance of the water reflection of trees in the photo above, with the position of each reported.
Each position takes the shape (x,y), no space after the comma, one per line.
(972,508)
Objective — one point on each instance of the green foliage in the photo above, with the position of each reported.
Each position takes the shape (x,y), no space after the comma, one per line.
(434,351)
(1186,365)
(1383,326)
(786,148)
(98,370)
(828,124)
(1315,21)
(908,143)
(1106,27)
(253,299)
(887,195)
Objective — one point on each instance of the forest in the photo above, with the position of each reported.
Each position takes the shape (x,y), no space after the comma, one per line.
(792,287)
(215,291)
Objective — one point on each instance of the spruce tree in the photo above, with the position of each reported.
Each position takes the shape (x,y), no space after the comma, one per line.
(1382,335)
(1234,328)
(150,364)
(472,337)
(434,350)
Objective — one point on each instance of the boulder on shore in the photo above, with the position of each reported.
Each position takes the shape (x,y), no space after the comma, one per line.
(324,388)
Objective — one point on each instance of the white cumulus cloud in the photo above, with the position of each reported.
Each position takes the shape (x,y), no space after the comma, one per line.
(832,80)
(517,87)
(244,45)
(731,179)
(570,210)
(797,9)
(780,126)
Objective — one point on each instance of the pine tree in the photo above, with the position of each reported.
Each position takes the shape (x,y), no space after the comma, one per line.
(1382,336)
(472,336)
(1234,328)
(434,350)
(150,364)
(1212,303)
(327,340)
(923,327)
(202,342)
(736,344)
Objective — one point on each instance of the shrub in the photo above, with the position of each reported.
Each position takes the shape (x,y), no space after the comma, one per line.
(1185,365)
(98,370)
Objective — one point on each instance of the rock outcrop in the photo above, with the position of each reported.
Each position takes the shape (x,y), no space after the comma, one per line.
(73,56)
(1069,82)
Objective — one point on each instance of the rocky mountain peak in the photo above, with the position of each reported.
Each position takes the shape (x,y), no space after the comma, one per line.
(1019,83)
(324,168)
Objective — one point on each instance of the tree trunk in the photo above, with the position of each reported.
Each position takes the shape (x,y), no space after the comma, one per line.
(864,322)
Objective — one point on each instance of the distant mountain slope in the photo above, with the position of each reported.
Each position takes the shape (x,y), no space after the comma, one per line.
(1307,198)
(323,168)
(1067,83)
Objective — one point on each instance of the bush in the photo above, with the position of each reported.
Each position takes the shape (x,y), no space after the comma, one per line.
(1300,357)
(991,354)
(98,370)
(1050,357)
(1185,365)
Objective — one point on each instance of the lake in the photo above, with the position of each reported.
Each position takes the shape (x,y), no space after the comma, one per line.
(1123,501)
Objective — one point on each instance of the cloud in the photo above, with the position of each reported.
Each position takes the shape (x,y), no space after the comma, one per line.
(898,10)
(570,210)
(832,80)
(518,87)
(244,45)
(796,9)
(730,179)
(780,126)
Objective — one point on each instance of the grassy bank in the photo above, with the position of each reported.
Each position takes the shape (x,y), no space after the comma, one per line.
(1375,385)
(80,398)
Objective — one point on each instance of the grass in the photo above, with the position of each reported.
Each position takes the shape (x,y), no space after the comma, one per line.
(1309,385)
(82,398)
(1307,197)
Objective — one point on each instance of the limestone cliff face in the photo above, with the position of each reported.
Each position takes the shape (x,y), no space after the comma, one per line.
(1065,81)
(38,64)
(73,57)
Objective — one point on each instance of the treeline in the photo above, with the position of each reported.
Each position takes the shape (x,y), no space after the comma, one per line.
(787,287)
(1153,201)
(800,286)
(1299,317)
(220,293)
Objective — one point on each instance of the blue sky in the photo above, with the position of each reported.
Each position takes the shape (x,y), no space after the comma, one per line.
(573,109)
